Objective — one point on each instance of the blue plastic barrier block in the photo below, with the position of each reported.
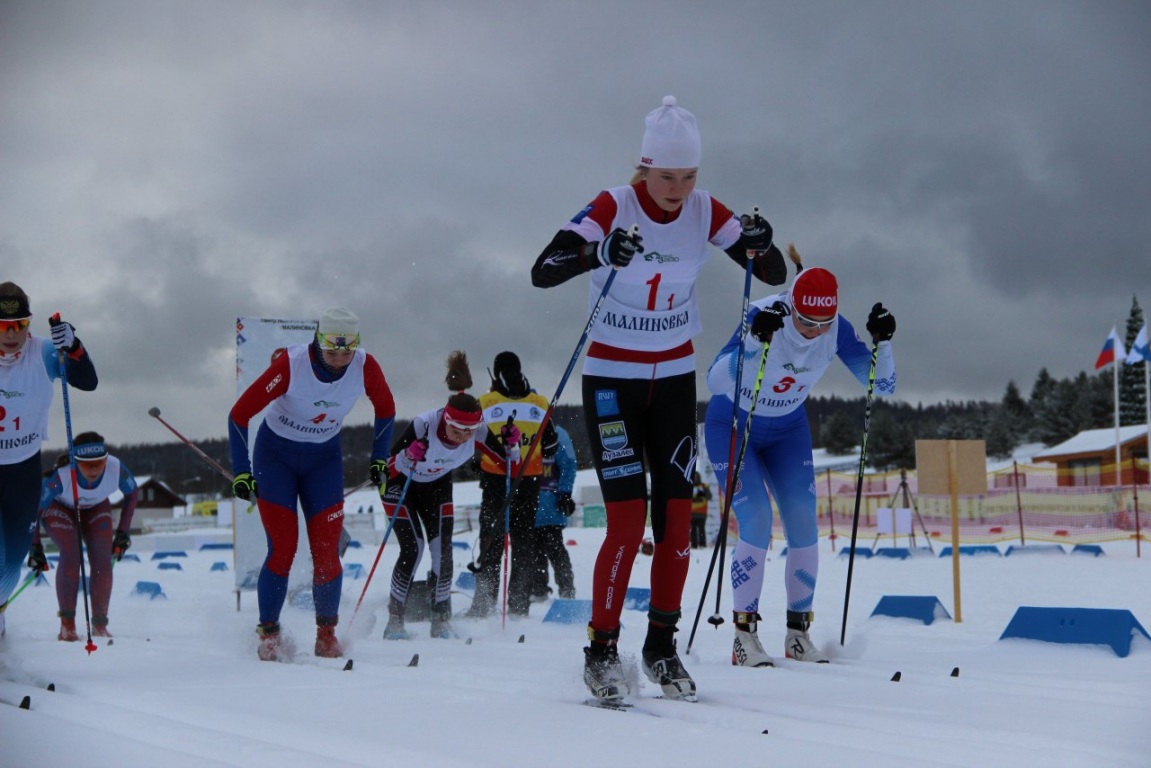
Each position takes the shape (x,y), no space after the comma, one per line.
(925,608)
(461,545)
(219,565)
(165,555)
(354,544)
(900,553)
(637,598)
(131,556)
(53,558)
(1080,626)
(1087,549)
(858,552)
(1036,549)
(466,580)
(149,589)
(354,571)
(569,612)
(171,567)
(302,599)
(973,549)
(220,545)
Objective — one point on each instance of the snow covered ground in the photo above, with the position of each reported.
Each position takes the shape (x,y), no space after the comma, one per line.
(181,685)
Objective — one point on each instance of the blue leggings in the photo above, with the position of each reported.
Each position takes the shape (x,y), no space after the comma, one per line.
(777,465)
(19,502)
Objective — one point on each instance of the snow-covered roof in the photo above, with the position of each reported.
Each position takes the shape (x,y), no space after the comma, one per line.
(1093,440)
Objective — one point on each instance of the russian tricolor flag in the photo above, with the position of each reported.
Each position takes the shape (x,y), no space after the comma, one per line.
(1112,350)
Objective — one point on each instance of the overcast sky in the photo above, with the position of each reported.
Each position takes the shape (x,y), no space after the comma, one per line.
(983,168)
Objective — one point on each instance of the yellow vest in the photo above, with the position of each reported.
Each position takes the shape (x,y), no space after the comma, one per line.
(529,413)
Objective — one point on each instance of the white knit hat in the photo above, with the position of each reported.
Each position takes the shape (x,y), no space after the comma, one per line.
(339,321)
(670,138)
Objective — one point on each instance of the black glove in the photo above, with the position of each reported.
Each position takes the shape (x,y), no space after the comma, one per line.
(378,472)
(755,240)
(619,248)
(756,233)
(880,323)
(121,542)
(244,486)
(565,504)
(36,559)
(63,334)
(768,320)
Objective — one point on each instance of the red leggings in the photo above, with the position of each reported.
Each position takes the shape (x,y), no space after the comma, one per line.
(96,527)
(640,428)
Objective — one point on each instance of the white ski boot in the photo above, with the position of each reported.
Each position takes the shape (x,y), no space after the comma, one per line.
(798,645)
(747,650)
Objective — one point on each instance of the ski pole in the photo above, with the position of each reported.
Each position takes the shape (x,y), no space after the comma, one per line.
(859,488)
(23,586)
(721,540)
(387,533)
(534,443)
(507,527)
(53,321)
(384,543)
(154,412)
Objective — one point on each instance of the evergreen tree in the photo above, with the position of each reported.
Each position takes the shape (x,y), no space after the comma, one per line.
(890,442)
(1132,397)
(839,433)
(1049,425)
(1001,437)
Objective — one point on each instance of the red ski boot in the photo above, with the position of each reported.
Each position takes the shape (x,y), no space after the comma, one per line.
(327,646)
(67,627)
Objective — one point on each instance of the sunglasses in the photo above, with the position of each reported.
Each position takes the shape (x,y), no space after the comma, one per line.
(807,322)
(332,341)
(15,325)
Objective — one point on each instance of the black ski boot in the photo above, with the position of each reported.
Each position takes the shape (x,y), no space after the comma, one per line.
(602,671)
(661,662)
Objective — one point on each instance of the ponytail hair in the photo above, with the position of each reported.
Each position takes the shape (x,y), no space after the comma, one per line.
(459,375)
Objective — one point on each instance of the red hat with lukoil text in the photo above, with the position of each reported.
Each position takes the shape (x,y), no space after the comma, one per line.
(815,292)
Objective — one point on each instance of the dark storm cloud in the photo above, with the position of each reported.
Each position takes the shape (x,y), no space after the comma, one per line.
(168,167)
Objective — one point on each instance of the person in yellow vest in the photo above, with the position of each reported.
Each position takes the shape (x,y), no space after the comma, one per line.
(516,412)
(700,498)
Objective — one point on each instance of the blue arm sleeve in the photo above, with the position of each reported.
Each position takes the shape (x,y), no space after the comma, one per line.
(50,490)
(856,355)
(238,443)
(81,371)
(127,480)
(382,437)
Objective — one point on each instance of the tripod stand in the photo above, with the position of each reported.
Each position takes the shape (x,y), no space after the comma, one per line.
(909,502)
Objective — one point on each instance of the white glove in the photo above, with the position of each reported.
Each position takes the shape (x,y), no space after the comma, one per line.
(63,336)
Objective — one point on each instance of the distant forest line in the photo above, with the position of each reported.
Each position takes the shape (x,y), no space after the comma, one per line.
(1054,411)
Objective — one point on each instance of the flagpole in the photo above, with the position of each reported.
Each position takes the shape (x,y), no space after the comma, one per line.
(1118,466)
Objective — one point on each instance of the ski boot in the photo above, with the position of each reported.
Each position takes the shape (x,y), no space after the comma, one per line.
(747,651)
(661,662)
(273,646)
(798,644)
(327,646)
(395,628)
(602,670)
(67,627)
(442,621)
(100,626)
